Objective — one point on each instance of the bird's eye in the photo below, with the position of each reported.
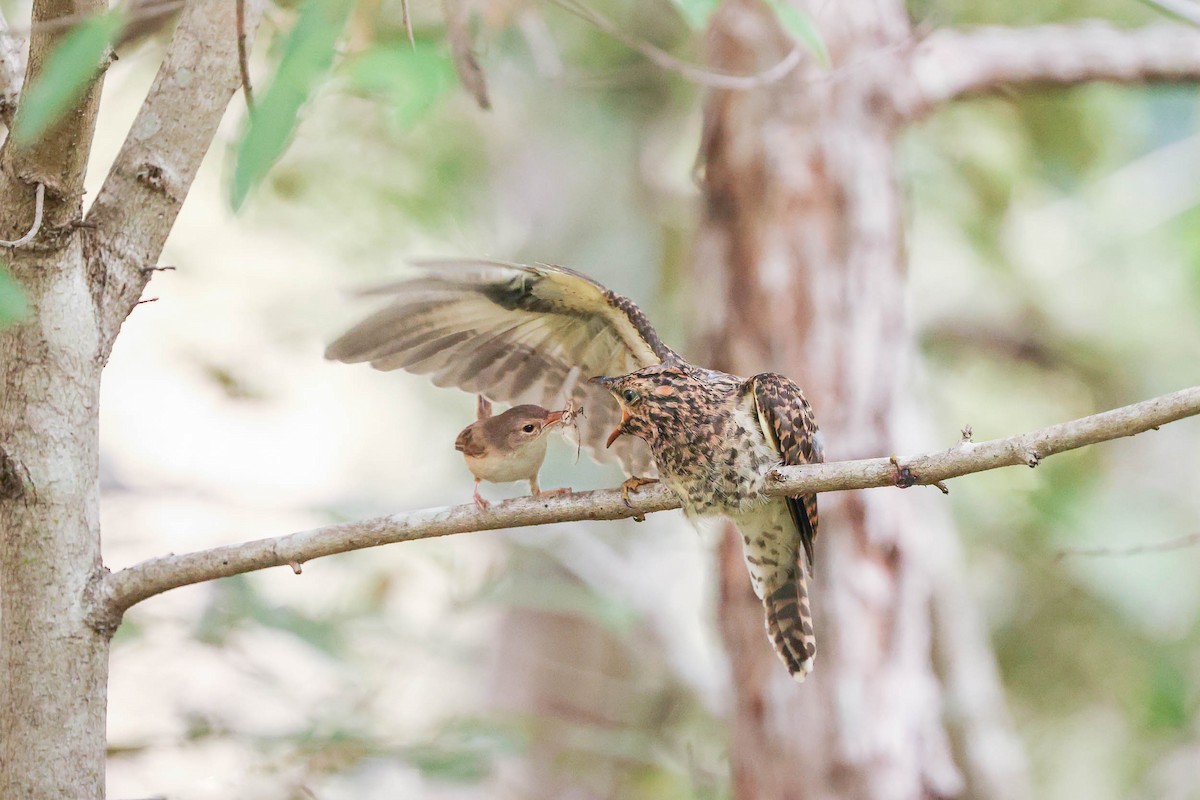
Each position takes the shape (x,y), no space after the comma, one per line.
(528,428)
(630,395)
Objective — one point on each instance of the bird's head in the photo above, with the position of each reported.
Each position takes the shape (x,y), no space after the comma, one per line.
(508,432)
(521,425)
(649,398)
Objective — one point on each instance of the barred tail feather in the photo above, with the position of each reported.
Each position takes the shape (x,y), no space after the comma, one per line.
(789,625)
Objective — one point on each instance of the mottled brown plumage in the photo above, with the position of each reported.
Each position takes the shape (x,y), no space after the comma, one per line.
(715,437)
(528,334)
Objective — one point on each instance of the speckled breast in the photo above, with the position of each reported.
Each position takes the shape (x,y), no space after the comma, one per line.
(722,464)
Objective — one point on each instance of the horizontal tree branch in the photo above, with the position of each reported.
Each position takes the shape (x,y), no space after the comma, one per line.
(1174,543)
(950,64)
(113,593)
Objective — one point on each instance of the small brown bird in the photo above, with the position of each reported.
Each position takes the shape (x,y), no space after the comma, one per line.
(507,447)
(525,334)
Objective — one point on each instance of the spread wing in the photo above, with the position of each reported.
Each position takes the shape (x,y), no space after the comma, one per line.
(516,333)
(788,423)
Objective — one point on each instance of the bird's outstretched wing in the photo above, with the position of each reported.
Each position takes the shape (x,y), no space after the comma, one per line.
(516,333)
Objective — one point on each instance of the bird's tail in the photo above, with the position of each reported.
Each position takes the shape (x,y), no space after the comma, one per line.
(790,625)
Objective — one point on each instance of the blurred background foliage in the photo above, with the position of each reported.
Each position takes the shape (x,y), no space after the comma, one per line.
(1054,272)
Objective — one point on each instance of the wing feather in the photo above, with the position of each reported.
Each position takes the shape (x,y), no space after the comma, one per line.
(514,333)
(788,422)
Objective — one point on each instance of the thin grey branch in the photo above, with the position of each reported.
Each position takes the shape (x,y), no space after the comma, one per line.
(406,18)
(950,64)
(458,33)
(244,55)
(39,205)
(146,186)
(113,593)
(1174,543)
(139,12)
(1186,10)
(701,76)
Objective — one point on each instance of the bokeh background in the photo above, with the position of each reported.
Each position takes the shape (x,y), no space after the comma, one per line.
(1054,242)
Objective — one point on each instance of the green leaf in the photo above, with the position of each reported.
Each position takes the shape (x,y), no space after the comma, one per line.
(71,66)
(1166,703)
(307,55)
(410,78)
(696,12)
(800,25)
(12,299)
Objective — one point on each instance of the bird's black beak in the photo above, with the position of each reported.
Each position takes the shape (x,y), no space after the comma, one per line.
(602,380)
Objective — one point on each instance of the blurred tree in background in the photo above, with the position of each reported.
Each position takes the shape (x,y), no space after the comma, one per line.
(1009,261)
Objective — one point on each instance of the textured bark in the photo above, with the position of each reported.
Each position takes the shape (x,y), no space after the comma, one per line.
(800,268)
(53,681)
(55,667)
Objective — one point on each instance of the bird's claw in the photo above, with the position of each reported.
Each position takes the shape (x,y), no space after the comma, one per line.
(483,505)
(632,484)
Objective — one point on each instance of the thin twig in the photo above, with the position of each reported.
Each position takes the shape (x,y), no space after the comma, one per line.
(1132,550)
(407,19)
(692,72)
(458,34)
(39,202)
(150,9)
(112,594)
(1185,10)
(243,56)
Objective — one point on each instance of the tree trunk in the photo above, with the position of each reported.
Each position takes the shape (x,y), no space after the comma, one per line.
(54,680)
(55,666)
(799,268)
(81,281)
